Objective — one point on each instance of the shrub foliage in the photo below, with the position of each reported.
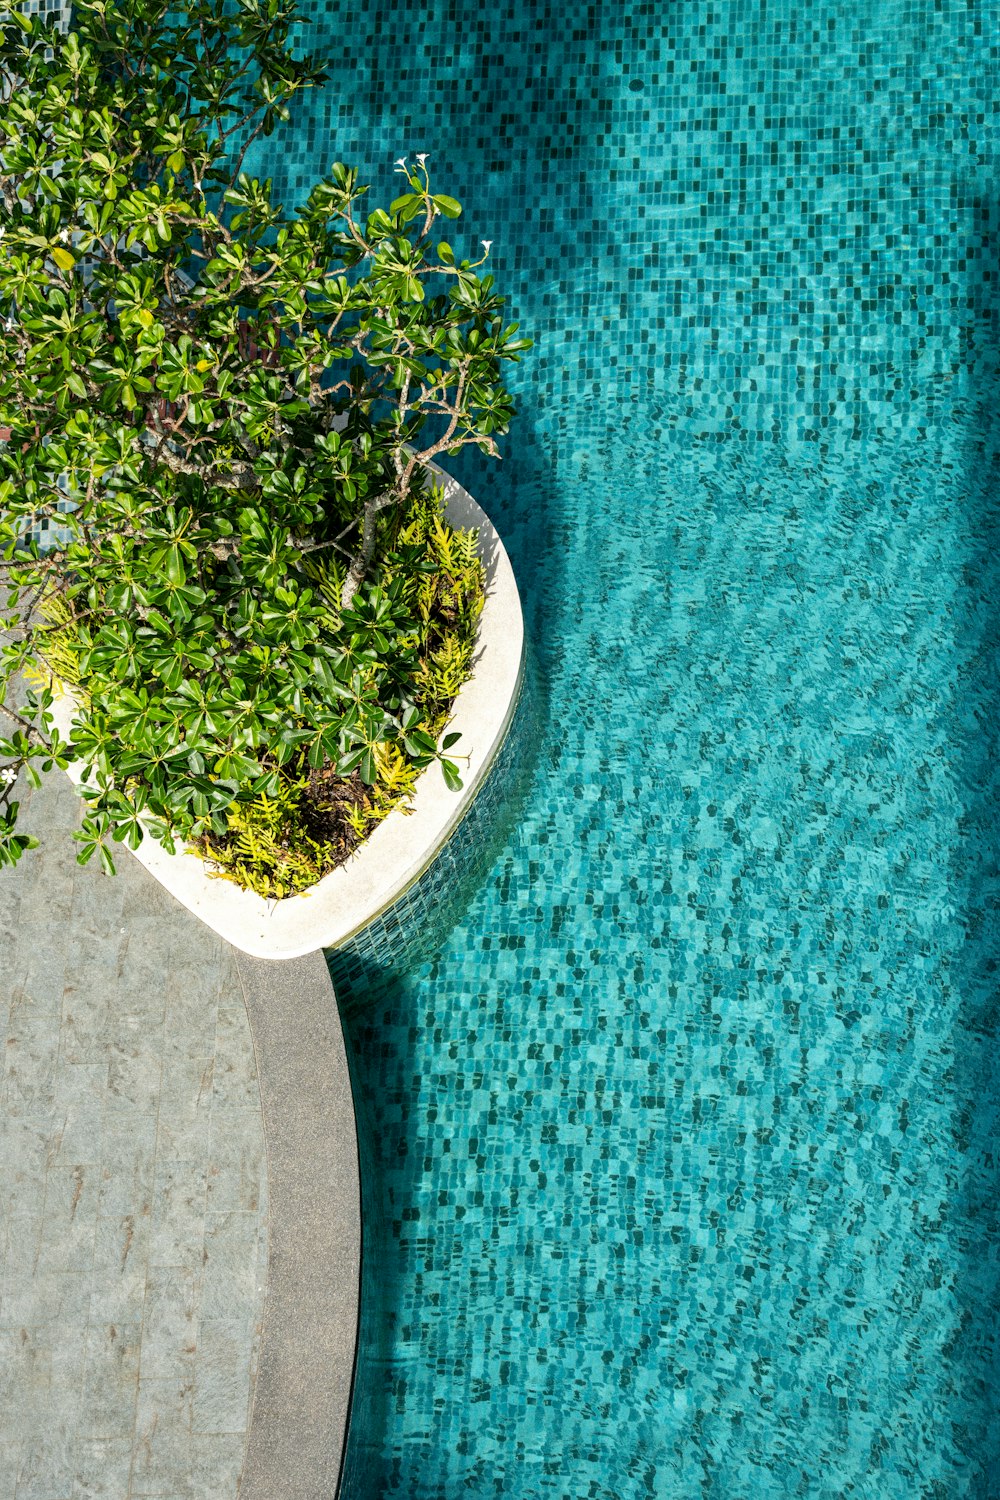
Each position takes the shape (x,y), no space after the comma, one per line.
(215,521)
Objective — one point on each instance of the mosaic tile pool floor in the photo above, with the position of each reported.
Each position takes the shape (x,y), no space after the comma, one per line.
(684,1176)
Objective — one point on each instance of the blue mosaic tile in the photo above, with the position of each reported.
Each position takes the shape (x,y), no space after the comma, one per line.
(680,1147)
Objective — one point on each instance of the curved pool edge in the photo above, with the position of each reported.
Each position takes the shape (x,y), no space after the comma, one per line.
(305,1370)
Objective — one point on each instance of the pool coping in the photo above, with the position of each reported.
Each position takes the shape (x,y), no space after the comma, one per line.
(399,850)
(305,1369)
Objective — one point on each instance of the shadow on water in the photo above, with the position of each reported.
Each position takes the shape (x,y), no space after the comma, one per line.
(975,970)
(490,90)
(975,979)
(508,103)
(496,99)
(369,990)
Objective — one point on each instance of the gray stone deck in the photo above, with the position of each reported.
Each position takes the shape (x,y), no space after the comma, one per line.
(132,1185)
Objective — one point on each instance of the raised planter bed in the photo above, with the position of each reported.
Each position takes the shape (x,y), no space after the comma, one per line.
(401,847)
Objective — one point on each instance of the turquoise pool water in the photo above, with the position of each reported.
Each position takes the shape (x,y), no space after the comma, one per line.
(683,1174)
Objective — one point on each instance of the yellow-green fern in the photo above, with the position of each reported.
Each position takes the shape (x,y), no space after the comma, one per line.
(58,652)
(396,780)
(445,670)
(326,570)
(282,844)
(268,849)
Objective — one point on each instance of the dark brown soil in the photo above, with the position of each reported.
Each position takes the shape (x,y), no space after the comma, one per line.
(329,799)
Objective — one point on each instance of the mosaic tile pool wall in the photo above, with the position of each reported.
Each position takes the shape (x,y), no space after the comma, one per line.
(683,1169)
(410,929)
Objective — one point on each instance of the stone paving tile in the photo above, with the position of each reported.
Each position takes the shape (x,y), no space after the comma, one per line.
(46,1470)
(48,885)
(170,1323)
(22,1243)
(25,1375)
(78,1136)
(111,1379)
(178,1213)
(129,1163)
(69,1219)
(132,1185)
(93,911)
(238,1164)
(134,1067)
(56,1299)
(220,1398)
(121,1253)
(184,1124)
(216,1461)
(10,1462)
(230,1281)
(234,1082)
(161,1462)
(27,1149)
(86,1018)
(103,1467)
(36,967)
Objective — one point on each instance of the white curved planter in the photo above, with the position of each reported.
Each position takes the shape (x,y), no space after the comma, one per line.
(404,844)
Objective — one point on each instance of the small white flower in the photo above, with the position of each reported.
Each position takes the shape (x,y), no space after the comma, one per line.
(400,164)
(8,775)
(2,231)
(487,245)
(197,186)
(422,157)
(64,235)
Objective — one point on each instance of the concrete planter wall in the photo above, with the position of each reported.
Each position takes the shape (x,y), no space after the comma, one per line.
(402,846)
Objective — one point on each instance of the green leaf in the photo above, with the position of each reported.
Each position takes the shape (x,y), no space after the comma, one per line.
(419,744)
(450,207)
(173,565)
(451,776)
(62,258)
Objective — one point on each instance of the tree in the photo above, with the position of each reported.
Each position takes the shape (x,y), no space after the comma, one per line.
(205,397)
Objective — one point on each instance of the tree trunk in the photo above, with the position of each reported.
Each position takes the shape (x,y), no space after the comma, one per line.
(362,559)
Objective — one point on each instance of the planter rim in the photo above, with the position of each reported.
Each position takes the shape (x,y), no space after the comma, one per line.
(401,847)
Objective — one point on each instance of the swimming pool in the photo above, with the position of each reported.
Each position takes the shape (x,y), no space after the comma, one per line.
(683,1174)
